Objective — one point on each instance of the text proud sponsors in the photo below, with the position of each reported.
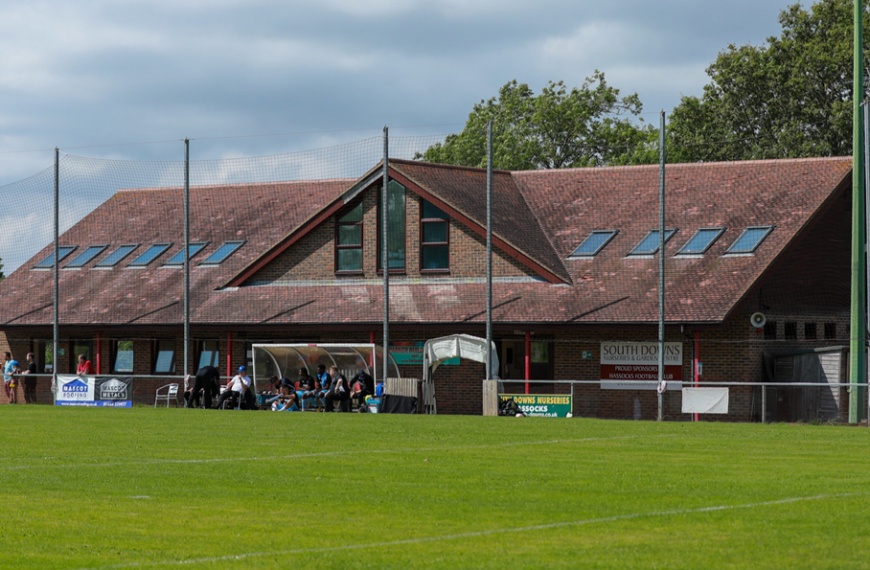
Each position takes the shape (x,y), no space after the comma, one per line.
(634,365)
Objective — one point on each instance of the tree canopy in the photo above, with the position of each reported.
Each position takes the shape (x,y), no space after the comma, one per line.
(791,97)
(559,128)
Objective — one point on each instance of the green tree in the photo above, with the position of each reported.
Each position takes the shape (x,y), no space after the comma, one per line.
(791,97)
(560,128)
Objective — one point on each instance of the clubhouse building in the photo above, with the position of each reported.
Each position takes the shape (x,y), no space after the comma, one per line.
(757,264)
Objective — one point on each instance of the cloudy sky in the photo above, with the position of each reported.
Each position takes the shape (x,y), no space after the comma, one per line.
(112,77)
(130,79)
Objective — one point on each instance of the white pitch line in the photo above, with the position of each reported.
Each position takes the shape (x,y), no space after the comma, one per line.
(42,466)
(474,534)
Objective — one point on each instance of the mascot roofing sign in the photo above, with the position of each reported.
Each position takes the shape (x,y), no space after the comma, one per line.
(94,391)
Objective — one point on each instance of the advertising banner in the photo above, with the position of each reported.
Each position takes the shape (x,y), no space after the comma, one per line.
(542,405)
(102,391)
(634,365)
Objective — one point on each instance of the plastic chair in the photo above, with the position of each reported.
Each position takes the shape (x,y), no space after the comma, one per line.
(168,392)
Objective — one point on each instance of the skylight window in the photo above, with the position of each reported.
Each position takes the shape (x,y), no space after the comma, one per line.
(223,252)
(48,262)
(701,241)
(116,256)
(84,257)
(150,255)
(650,244)
(750,239)
(594,243)
(193,249)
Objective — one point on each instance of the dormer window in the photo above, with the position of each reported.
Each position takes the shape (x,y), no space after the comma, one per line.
(84,257)
(150,255)
(650,244)
(594,243)
(701,241)
(222,253)
(48,262)
(193,249)
(116,256)
(750,239)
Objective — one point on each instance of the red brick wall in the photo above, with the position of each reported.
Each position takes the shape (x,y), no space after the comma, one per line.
(313,257)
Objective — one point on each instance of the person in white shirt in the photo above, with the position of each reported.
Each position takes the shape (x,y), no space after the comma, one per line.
(238,386)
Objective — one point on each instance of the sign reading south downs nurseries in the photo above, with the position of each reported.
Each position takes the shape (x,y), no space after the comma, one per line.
(634,365)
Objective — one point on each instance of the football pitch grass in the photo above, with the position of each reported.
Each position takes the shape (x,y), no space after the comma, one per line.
(170,488)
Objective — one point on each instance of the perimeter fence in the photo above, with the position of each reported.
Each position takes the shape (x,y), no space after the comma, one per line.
(120,217)
(820,402)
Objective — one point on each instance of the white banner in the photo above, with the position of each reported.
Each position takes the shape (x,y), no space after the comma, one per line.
(705,400)
(634,365)
(75,390)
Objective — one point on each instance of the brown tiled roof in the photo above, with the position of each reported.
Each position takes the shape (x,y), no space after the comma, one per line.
(540,215)
(572,203)
(260,214)
(463,191)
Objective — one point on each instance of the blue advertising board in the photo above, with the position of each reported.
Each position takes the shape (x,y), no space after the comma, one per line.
(100,391)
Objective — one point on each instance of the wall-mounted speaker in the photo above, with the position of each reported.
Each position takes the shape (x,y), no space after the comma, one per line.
(758,320)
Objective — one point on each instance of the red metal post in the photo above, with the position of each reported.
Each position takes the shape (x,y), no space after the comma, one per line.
(696,366)
(528,359)
(99,359)
(230,354)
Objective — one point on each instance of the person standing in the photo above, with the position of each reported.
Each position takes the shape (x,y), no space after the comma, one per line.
(30,380)
(84,368)
(207,381)
(9,368)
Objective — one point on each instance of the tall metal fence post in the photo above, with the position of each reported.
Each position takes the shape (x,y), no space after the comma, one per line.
(56,293)
(660,391)
(858,305)
(488,250)
(866,120)
(385,249)
(764,403)
(187,257)
(572,398)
